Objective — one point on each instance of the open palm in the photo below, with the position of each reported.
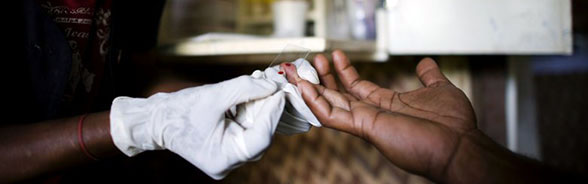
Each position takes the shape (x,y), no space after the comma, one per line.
(419,130)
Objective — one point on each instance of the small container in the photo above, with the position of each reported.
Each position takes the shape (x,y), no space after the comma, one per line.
(289,18)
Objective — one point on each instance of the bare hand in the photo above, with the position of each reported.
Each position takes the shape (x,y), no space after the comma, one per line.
(419,130)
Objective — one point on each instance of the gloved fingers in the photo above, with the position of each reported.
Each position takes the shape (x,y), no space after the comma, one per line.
(257,74)
(242,89)
(258,136)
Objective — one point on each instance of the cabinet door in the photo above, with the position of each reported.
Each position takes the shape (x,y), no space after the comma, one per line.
(479,27)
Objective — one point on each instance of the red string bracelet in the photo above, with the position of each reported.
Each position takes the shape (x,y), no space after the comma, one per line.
(81,138)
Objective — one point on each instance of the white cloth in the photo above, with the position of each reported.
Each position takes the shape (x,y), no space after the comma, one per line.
(192,123)
(296,117)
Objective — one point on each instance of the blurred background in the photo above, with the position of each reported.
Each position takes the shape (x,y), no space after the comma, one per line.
(523,64)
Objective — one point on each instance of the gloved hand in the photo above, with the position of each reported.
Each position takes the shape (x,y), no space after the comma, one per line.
(192,123)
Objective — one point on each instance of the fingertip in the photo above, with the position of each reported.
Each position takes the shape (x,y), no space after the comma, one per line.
(429,73)
(321,63)
(291,73)
(428,59)
(320,57)
(426,63)
(340,60)
(338,53)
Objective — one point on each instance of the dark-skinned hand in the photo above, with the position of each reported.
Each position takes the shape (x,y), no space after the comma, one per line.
(419,131)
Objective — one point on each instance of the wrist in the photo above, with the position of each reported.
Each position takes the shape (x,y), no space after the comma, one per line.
(466,156)
(131,124)
(96,135)
(481,160)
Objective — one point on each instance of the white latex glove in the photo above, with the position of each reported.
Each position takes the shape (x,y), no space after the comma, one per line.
(192,123)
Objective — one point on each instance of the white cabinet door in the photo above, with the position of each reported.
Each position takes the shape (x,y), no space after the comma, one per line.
(479,27)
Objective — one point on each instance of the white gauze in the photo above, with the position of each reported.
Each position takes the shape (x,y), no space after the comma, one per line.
(296,117)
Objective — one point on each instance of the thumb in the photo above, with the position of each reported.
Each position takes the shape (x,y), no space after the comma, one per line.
(243,89)
(257,137)
(429,73)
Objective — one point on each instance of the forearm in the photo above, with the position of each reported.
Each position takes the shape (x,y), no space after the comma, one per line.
(481,160)
(35,149)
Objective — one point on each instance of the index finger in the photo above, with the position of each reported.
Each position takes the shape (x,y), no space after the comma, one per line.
(348,75)
(321,64)
(329,115)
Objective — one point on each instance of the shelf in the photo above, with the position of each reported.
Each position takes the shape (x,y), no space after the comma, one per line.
(256,20)
(269,19)
(254,49)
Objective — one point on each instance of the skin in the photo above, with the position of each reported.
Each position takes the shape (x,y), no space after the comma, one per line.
(31,150)
(39,148)
(429,131)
